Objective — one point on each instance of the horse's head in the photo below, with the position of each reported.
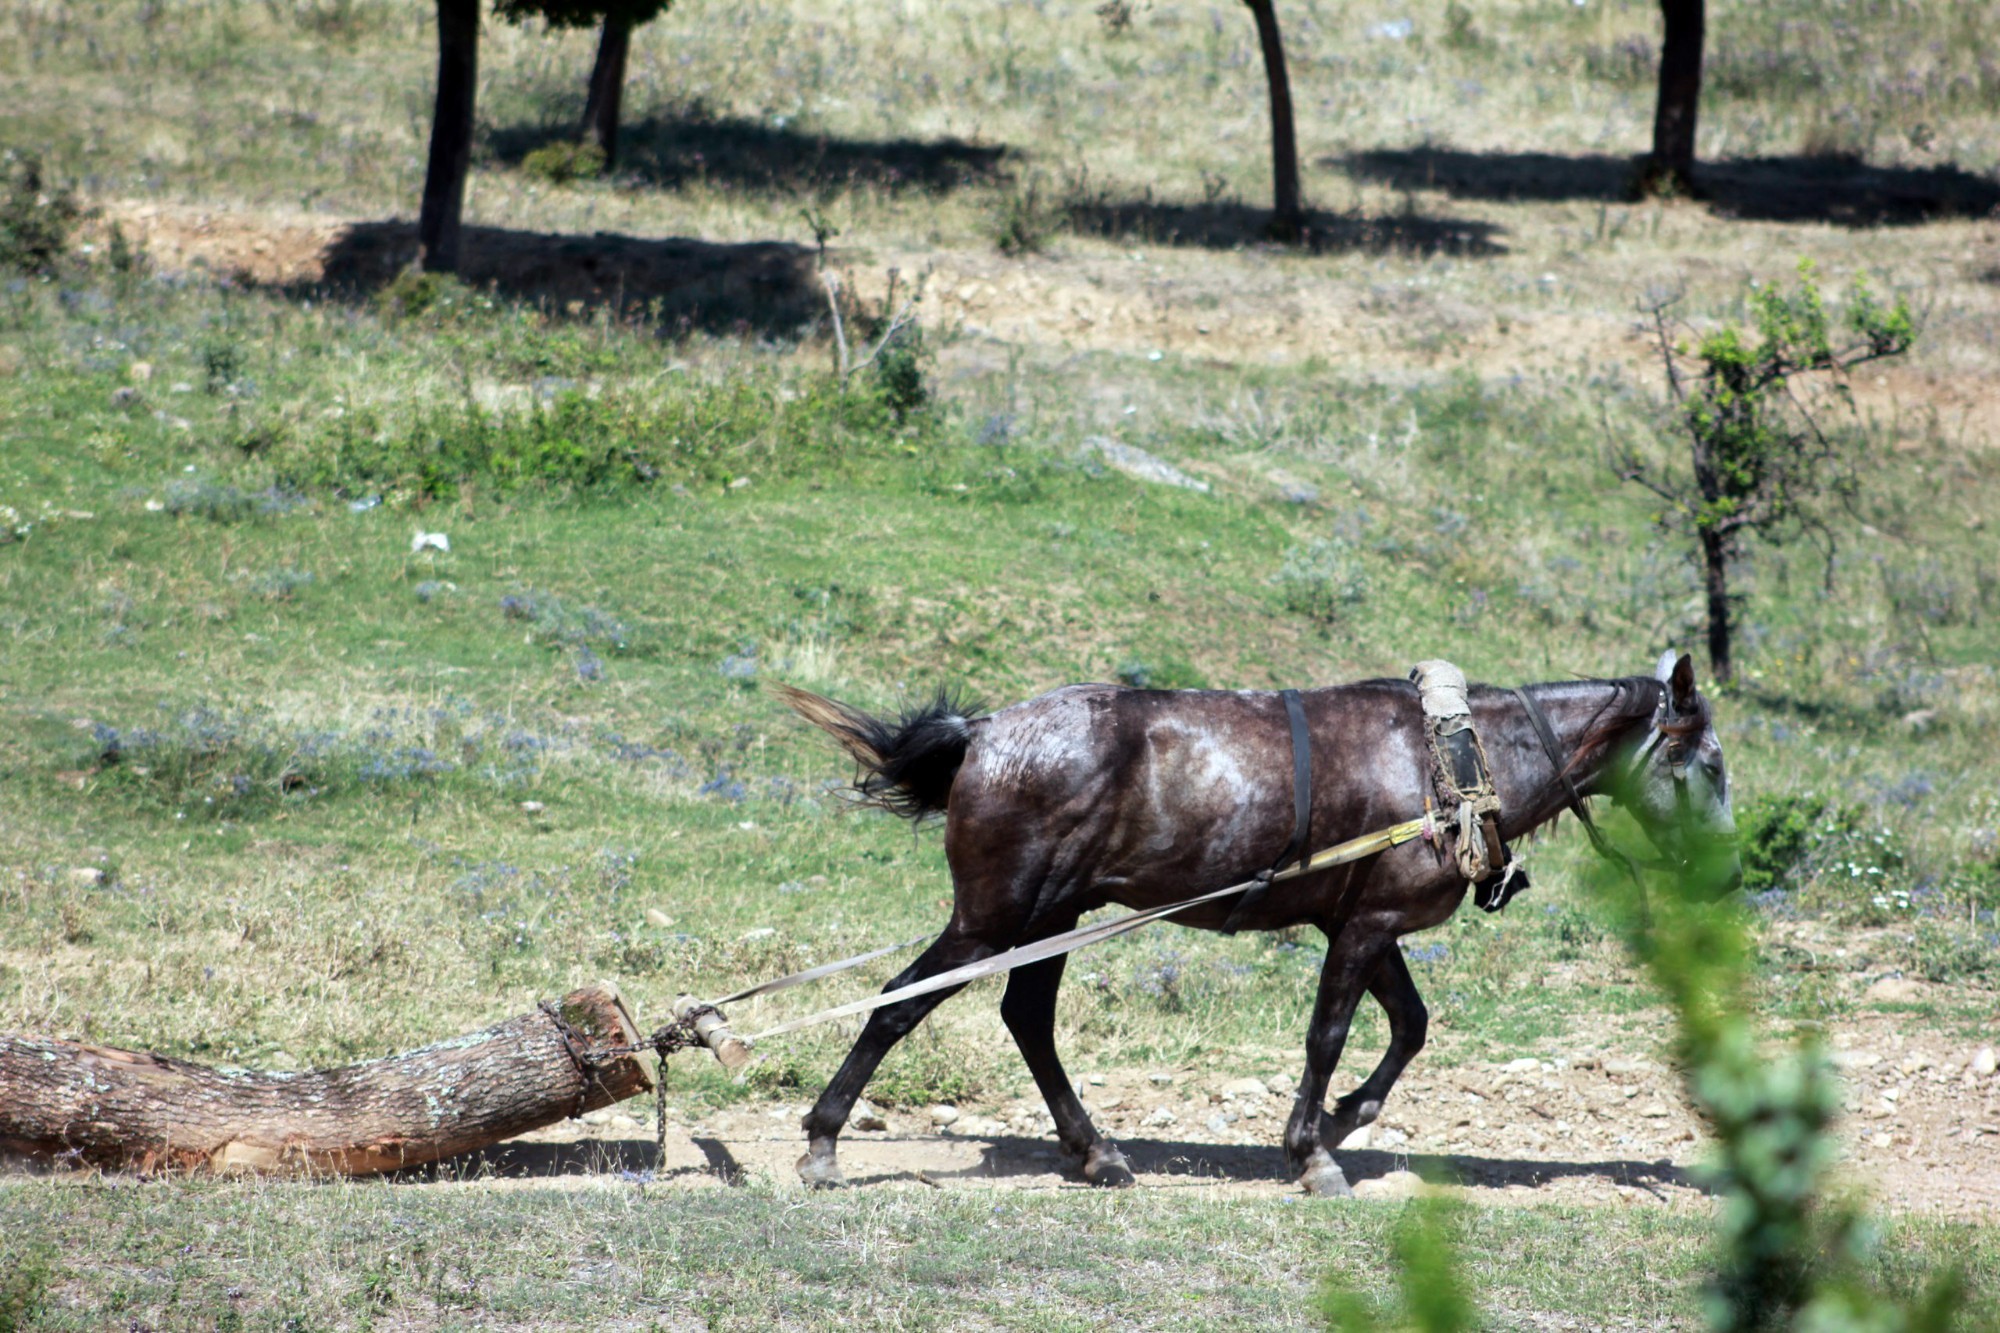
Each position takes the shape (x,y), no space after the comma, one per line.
(1677,787)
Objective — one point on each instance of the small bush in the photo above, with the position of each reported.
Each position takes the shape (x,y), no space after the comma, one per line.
(1777,834)
(414,294)
(37,220)
(1023,221)
(899,371)
(1323,578)
(222,361)
(1946,952)
(564,163)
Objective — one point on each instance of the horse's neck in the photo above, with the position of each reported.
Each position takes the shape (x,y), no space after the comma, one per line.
(1573,709)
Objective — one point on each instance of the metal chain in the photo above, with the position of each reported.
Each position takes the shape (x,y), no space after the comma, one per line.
(665,1041)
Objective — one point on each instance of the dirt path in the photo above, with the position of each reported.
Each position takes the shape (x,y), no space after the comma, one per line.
(1922,1134)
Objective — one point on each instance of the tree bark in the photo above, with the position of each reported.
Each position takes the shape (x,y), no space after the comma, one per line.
(451,135)
(1288,212)
(1672,163)
(65,1102)
(607,87)
(1715,570)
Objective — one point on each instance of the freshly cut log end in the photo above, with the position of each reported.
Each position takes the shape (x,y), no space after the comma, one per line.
(65,1102)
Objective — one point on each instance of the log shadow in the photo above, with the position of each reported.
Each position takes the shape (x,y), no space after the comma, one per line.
(1230,226)
(694,147)
(534,1161)
(637,1160)
(683,285)
(1839,189)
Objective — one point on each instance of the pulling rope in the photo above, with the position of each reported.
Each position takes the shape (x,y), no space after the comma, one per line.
(1055,945)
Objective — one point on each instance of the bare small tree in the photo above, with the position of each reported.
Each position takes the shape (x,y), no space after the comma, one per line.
(1758,462)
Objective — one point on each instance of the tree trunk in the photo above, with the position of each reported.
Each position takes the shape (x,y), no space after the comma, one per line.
(607,87)
(451,135)
(1288,213)
(1672,163)
(65,1102)
(1715,570)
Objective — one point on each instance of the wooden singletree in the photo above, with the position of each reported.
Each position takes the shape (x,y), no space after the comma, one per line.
(614,44)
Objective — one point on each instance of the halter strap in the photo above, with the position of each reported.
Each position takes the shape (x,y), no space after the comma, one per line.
(1574,798)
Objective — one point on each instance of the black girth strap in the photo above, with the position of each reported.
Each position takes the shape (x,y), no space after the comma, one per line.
(1298,850)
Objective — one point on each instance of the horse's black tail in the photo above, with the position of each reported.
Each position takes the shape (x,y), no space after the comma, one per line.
(907,764)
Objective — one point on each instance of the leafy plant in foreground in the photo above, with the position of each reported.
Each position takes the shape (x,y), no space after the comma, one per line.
(1758,461)
(1786,1257)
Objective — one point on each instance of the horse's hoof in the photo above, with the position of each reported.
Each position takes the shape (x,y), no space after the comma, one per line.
(820,1173)
(1106,1168)
(1324,1180)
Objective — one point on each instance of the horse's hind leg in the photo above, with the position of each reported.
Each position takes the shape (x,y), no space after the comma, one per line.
(1395,990)
(885,1027)
(1349,965)
(1029,1010)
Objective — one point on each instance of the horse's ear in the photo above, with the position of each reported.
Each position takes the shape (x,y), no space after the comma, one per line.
(1663,670)
(1681,684)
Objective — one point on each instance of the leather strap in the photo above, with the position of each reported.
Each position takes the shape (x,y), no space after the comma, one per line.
(1296,852)
(1540,722)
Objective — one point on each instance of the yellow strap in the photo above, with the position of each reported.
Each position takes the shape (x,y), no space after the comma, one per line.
(1355,848)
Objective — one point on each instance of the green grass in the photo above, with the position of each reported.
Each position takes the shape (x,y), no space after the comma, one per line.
(374,1255)
(301,751)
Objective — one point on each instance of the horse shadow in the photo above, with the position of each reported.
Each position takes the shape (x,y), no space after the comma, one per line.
(1187,1164)
(1230,225)
(1840,189)
(679,284)
(670,150)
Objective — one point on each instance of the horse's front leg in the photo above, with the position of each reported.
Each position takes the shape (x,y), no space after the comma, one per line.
(1409,1022)
(1350,960)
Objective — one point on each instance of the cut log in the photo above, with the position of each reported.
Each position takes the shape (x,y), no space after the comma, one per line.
(61,1101)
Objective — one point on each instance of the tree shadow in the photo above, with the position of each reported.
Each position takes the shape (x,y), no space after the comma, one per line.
(683,285)
(1230,225)
(1838,189)
(667,151)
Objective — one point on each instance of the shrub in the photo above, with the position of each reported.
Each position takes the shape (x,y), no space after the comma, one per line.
(37,220)
(1777,834)
(899,371)
(414,294)
(1323,578)
(1023,220)
(564,162)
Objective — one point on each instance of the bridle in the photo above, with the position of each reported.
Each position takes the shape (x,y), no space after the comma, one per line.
(1678,733)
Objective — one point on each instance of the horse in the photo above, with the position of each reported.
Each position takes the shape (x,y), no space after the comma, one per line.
(1097,794)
